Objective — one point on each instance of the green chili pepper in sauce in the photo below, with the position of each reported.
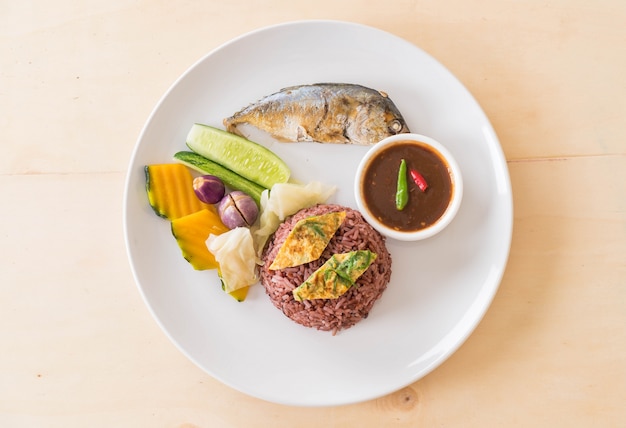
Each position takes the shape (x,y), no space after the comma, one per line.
(402,191)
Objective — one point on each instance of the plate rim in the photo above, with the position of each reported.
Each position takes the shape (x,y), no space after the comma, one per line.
(478,312)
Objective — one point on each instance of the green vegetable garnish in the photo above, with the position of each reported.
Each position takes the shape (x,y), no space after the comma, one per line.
(402,191)
(206,166)
(248,159)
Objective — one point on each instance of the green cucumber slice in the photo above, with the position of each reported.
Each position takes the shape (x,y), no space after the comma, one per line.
(205,166)
(244,157)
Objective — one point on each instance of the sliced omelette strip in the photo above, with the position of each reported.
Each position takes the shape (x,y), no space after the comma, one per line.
(307,240)
(335,277)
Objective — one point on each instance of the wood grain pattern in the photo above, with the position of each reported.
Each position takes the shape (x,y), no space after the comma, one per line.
(77,82)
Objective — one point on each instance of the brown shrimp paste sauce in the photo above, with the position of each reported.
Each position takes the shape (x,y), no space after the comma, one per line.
(423,208)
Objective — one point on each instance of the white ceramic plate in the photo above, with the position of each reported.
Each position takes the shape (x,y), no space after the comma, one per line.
(440,288)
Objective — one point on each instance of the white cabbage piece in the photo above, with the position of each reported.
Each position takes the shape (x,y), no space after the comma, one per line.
(235,253)
(285,199)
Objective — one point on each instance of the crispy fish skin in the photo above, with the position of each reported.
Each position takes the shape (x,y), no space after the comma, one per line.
(337,113)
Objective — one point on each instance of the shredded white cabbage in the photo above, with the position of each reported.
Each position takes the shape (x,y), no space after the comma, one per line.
(285,199)
(235,253)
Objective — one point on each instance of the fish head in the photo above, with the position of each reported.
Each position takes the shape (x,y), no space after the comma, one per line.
(375,121)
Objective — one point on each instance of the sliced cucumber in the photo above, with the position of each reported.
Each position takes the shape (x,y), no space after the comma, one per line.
(232,180)
(244,157)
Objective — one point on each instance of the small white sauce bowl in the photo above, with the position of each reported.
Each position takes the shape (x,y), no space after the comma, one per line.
(455,176)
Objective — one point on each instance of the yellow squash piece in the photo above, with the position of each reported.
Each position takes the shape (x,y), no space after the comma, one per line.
(335,277)
(170,191)
(191,233)
(307,240)
(240,293)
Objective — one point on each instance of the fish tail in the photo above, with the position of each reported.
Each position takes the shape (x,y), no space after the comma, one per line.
(230,123)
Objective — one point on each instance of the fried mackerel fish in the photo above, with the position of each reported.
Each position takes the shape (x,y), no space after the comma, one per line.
(325,267)
(337,113)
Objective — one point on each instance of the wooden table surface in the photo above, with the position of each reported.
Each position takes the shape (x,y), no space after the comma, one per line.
(79,347)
